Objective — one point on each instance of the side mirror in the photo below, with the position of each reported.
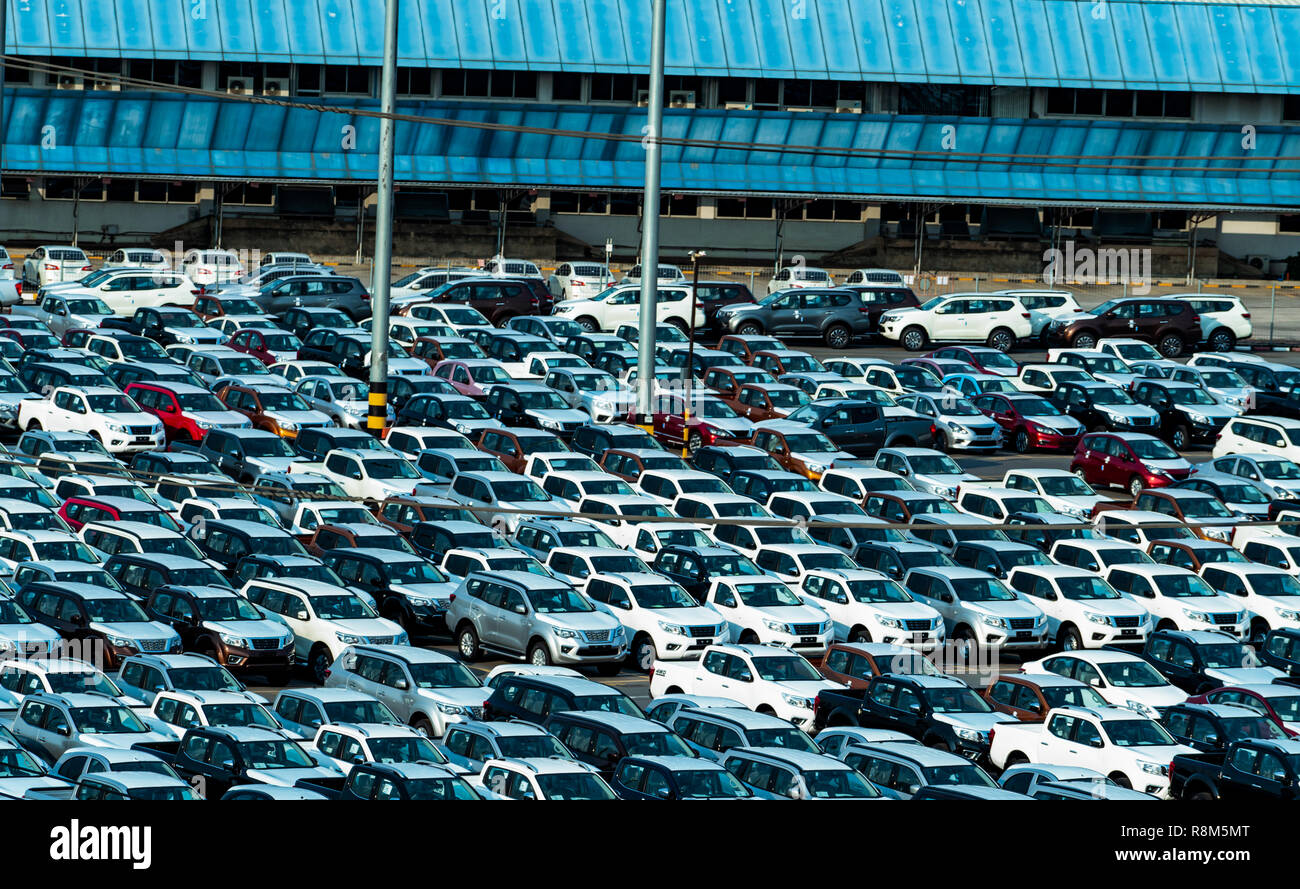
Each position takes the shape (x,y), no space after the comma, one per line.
(63,730)
(664,792)
(946,597)
(520,609)
(1095,682)
(79,619)
(401,685)
(1097,742)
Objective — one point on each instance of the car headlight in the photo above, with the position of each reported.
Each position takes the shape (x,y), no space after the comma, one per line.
(234,641)
(959,429)
(1284,494)
(1096,618)
(993,621)
(115,427)
(967,734)
(451,709)
(776,626)
(720,630)
(564,633)
(674,629)
(1145,709)
(1288,615)
(1198,616)
(1239,618)
(288,427)
(891,622)
(401,639)
(419,601)
(463,428)
(797,701)
(817,467)
(548,423)
(121,642)
(286,641)
(348,638)
(184,338)
(1154,768)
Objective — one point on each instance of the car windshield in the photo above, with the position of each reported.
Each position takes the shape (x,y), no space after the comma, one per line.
(624,563)
(523,491)
(1274,584)
(1227,655)
(142,349)
(608,703)
(1242,494)
(788,398)
(341,607)
(204,679)
(1102,395)
(838,784)
(1131,674)
(71,682)
(785,669)
(933,464)
(979,589)
(681,537)
(88,307)
(282,342)
(242,365)
(111,404)
(1078,588)
(17,763)
(709,784)
(308,571)
(107,721)
(1072,696)
(664,743)
(829,560)
(115,611)
(925,559)
(488,373)
(227,608)
(957,774)
(239,714)
(360,711)
(200,401)
(766,595)
(529,746)
(1203,508)
(12,613)
(236,306)
(464,409)
(390,467)
(1152,449)
(1183,586)
(557,600)
(1190,395)
(1035,505)
(266,446)
(279,400)
(1065,486)
(413,572)
(1237,728)
(877,591)
(62,551)
(1137,733)
(787,738)
(810,443)
(955,700)
(1036,407)
(202,576)
(444,675)
(574,785)
(275,755)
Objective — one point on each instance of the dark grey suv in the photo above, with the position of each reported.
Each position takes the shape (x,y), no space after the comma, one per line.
(315,291)
(835,315)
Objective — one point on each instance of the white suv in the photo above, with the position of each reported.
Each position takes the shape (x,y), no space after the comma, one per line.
(1045,306)
(578,280)
(1083,611)
(794,277)
(1270,595)
(665,623)
(997,321)
(105,413)
(46,265)
(622,305)
(1273,436)
(866,606)
(1224,319)
(1180,600)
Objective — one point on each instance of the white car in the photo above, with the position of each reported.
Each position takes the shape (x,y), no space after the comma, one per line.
(622,305)
(344,745)
(1122,678)
(6,265)
(978,609)
(535,778)
(501,267)
(1272,436)
(1277,476)
(323,618)
(1179,599)
(105,413)
(1063,491)
(927,469)
(416,284)
(460,318)
(137,258)
(959,424)
(765,611)
(765,678)
(367,474)
(1225,321)
(1131,350)
(1047,377)
(125,290)
(211,267)
(1130,749)
(63,313)
(578,280)
(875,277)
(1101,365)
(1226,386)
(795,277)
(49,265)
(1270,595)
(1083,611)
(502,490)
(866,606)
(1045,306)
(665,623)
(668,274)
(997,321)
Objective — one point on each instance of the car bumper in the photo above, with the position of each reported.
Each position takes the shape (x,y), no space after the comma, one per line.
(683,648)
(255,659)
(120,443)
(1054,441)
(927,641)
(977,439)
(573,651)
(1206,434)
(1012,640)
(1098,635)
(816,644)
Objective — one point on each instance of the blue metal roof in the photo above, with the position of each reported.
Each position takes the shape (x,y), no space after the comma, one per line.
(1024,161)
(1141,44)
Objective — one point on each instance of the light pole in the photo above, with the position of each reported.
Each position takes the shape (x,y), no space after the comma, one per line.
(696,255)
(645,373)
(383,267)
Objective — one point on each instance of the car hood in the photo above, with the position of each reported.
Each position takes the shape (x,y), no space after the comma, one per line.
(559,415)
(979,722)
(129,418)
(1244,675)
(808,688)
(272,464)
(1179,465)
(125,740)
(224,418)
(198,334)
(425,590)
(28,633)
(1158,696)
(366,626)
(290,777)
(1211,411)
(792,614)
(137,630)
(1128,411)
(464,426)
(300,418)
(906,610)
(408,367)
(1119,379)
(688,617)
(255,629)
(831,458)
(737,426)
(1017,608)
(582,620)
(1113,607)
(1065,424)
(464,697)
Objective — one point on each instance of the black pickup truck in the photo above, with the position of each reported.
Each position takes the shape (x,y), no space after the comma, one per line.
(166,325)
(214,759)
(1248,770)
(1198,661)
(1212,728)
(1281,651)
(862,427)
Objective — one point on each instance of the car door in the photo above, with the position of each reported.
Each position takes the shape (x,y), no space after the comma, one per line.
(513,620)
(783,315)
(948,321)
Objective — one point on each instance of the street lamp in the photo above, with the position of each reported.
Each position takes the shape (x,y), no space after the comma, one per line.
(696,255)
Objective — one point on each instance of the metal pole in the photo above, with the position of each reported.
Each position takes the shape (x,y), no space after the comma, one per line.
(383,267)
(1272,319)
(690,352)
(4,13)
(645,373)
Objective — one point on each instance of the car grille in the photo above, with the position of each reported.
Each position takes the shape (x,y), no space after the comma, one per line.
(266,644)
(1229,619)
(917,625)
(141,430)
(1022,623)
(597,635)
(474,712)
(698,632)
(1144,421)
(1127,621)
(807,629)
(380,640)
(153,644)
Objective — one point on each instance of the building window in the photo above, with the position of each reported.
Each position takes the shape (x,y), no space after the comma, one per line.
(65,189)
(1291,107)
(745,208)
(155,191)
(353,80)
(943,99)
(767,93)
(1119,103)
(16,187)
(733,91)
(824,210)
(616,87)
(477,83)
(1288,224)
(592,203)
(414,82)
(120,190)
(309,81)
(566,86)
(17,76)
(251,194)
(679,205)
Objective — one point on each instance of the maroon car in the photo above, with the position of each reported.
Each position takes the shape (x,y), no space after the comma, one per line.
(1280,703)
(941,367)
(982,358)
(1031,422)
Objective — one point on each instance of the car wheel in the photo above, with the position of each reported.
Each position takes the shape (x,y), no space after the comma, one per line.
(538,655)
(860,635)
(1002,339)
(467,643)
(319,662)
(1085,340)
(423,726)
(1201,794)
(680,325)
(941,441)
(277,677)
(838,336)
(1171,345)
(643,653)
(934,742)
(1071,639)
(1258,630)
(750,328)
(695,442)
(1178,438)
(610,668)
(587,323)
(1222,340)
(1122,780)
(1135,485)
(966,644)
(34,426)
(914,338)
(1021,440)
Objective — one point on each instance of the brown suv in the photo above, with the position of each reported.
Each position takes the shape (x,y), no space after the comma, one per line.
(273,409)
(513,446)
(1170,324)
(743,346)
(500,299)
(855,664)
(767,401)
(726,381)
(629,463)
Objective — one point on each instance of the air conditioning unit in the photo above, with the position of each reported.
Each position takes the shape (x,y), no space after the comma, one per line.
(110,85)
(643,98)
(69,82)
(850,106)
(738,106)
(681,99)
(1259,262)
(275,86)
(239,86)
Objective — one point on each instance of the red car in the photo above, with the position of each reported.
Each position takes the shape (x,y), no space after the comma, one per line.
(78,511)
(1031,421)
(187,412)
(472,376)
(982,358)
(31,339)
(1280,703)
(267,346)
(1129,461)
(714,424)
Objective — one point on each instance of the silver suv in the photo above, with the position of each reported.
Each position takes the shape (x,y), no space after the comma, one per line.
(428,689)
(50,725)
(541,620)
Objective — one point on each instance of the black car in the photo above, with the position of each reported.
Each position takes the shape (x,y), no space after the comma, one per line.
(534,698)
(1210,728)
(124,373)
(1281,650)
(998,557)
(1188,659)
(315,442)
(594,440)
(318,344)
(894,560)
(657,778)
(142,573)
(227,542)
(1277,387)
(456,412)
(760,484)
(195,614)
(861,427)
(222,757)
(404,781)
(1102,407)
(383,574)
(258,565)
(519,404)
(726,461)
(695,567)
(1188,414)
(713,295)
(171,462)
(301,320)
(602,739)
(879,299)
(433,539)
(931,709)
(39,376)
(402,389)
(74,609)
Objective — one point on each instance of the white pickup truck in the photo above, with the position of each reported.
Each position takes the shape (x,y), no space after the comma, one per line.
(765,678)
(63,313)
(1130,749)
